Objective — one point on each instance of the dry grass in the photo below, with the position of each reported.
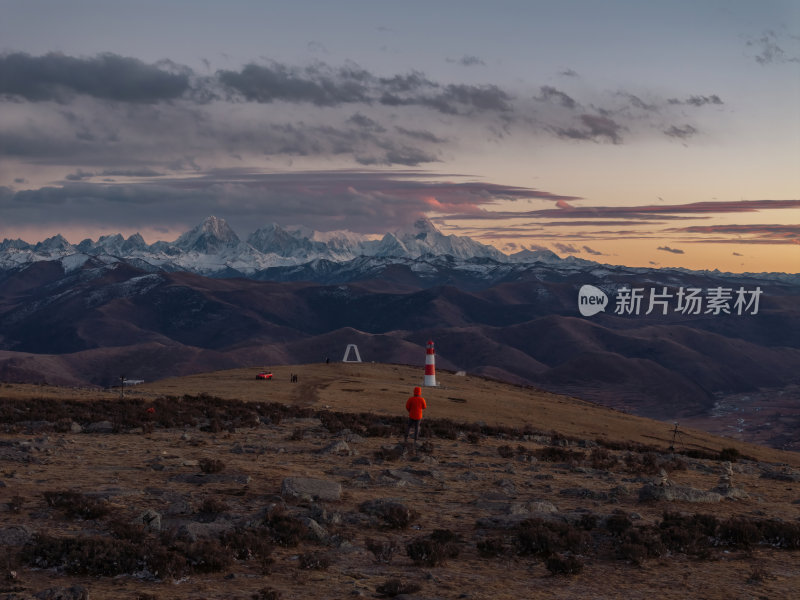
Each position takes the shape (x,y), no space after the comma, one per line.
(601,542)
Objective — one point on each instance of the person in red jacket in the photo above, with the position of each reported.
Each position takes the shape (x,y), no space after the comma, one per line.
(415,405)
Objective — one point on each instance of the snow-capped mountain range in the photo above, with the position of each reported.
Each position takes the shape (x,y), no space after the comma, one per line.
(278,253)
(213,248)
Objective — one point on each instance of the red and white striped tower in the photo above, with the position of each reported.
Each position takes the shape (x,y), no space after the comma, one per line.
(430,366)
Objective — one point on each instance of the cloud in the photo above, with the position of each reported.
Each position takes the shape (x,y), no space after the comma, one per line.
(468,61)
(636,102)
(320,85)
(638,213)
(95,138)
(595,128)
(366,123)
(589,250)
(566,248)
(364,201)
(698,100)
(683,133)
(166,114)
(140,172)
(672,250)
(81,175)
(425,136)
(56,77)
(550,94)
(465,99)
(323,85)
(770,48)
(737,254)
(746,234)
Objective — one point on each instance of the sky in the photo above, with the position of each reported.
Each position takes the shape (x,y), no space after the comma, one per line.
(626,132)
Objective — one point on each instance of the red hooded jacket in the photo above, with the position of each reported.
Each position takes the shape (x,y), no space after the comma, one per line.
(415,405)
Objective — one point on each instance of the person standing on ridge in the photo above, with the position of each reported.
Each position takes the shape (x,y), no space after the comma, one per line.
(415,405)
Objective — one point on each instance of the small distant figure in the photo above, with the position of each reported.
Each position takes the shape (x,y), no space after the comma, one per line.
(327,360)
(415,405)
(293,378)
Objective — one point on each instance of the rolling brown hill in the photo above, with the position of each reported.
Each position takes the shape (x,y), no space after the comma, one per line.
(233,488)
(90,325)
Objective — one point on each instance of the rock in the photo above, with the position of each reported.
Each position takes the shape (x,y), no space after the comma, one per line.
(541,506)
(681,493)
(315,530)
(725,487)
(401,475)
(75,592)
(14,535)
(321,515)
(150,519)
(311,489)
(730,493)
(663,479)
(194,531)
(99,427)
(178,506)
(339,447)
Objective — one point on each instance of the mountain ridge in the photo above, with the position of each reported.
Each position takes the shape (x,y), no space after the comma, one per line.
(213,249)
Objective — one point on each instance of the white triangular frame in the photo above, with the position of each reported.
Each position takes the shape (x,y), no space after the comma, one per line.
(347,353)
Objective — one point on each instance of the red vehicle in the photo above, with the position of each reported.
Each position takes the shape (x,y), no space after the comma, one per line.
(264,375)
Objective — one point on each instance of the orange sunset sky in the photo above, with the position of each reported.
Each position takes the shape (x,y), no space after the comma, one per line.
(636,133)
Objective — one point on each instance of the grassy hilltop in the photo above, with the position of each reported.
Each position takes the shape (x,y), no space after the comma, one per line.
(220,486)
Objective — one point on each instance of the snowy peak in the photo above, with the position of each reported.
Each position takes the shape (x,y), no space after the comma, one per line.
(210,237)
(57,243)
(212,248)
(274,239)
(424,238)
(422,227)
(529,256)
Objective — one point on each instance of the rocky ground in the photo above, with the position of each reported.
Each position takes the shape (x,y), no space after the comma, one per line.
(160,496)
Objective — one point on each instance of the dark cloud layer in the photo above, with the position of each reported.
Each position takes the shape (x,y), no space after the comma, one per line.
(318,85)
(364,201)
(663,211)
(107,76)
(594,128)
